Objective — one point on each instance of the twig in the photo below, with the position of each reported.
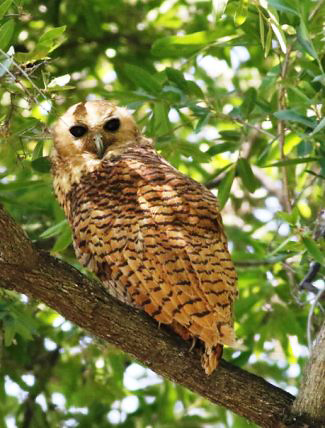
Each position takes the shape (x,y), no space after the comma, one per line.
(306,283)
(314,267)
(251,125)
(310,317)
(6,123)
(281,131)
(307,186)
(23,72)
(319,231)
(216,181)
(219,115)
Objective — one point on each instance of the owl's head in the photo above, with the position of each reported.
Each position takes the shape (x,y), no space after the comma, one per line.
(92,130)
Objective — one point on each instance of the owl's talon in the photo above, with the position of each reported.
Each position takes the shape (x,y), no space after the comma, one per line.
(193,344)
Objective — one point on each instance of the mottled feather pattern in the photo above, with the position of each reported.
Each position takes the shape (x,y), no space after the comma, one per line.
(155,238)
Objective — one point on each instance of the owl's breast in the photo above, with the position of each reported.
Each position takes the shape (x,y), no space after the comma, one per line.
(102,208)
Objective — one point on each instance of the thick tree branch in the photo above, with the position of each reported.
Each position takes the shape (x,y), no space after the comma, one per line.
(87,304)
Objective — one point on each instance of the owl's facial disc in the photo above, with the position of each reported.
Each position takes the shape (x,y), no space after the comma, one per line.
(94,130)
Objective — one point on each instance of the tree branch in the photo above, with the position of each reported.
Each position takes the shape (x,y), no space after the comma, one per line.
(87,304)
(281,131)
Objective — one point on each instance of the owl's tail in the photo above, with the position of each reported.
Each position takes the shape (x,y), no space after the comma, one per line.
(211,357)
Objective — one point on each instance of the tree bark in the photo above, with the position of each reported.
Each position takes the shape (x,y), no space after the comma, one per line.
(311,398)
(87,304)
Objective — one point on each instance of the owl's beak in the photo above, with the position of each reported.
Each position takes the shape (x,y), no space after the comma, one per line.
(99,144)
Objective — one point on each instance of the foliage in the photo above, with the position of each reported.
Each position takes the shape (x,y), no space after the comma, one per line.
(233,94)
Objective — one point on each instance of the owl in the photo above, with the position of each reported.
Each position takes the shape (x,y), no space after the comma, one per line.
(152,235)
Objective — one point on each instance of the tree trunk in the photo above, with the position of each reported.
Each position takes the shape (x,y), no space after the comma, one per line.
(310,401)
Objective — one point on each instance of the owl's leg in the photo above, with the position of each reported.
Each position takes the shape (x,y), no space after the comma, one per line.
(211,357)
(181,330)
(184,333)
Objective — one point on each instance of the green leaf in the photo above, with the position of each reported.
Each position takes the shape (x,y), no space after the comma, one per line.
(160,119)
(230,135)
(241,12)
(189,149)
(276,27)
(313,250)
(4,7)
(22,328)
(219,7)
(320,78)
(38,150)
(9,330)
(143,79)
(6,33)
(177,77)
(180,46)
(46,44)
(283,6)
(127,97)
(292,116)
(60,88)
(225,187)
(64,240)
(41,164)
(268,43)
(319,127)
(222,147)
(246,174)
(54,230)
(262,28)
(304,148)
(249,102)
(202,122)
(170,94)
(194,89)
(291,217)
(50,37)
(292,162)
(304,40)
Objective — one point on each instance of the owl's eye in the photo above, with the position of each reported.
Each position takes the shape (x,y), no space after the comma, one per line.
(112,124)
(78,130)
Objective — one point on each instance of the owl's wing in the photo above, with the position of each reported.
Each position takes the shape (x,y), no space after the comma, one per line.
(183,240)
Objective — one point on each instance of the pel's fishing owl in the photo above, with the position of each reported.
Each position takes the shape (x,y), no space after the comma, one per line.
(153,236)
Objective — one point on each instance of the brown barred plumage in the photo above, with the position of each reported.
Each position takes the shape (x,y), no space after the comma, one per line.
(152,235)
